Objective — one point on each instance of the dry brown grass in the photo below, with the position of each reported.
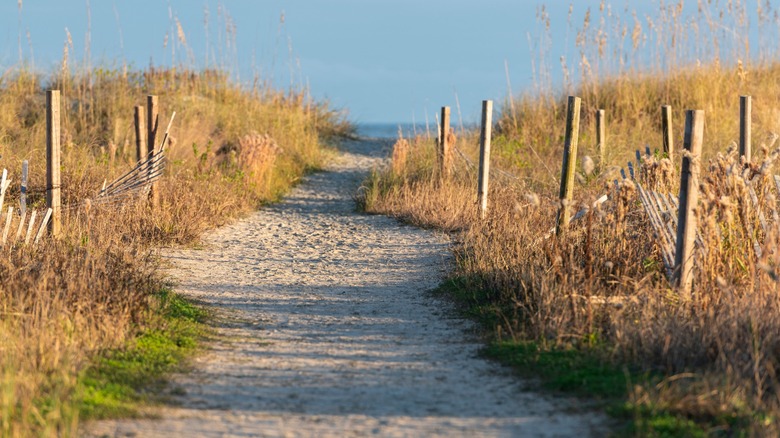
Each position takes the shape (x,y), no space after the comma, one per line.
(684,55)
(604,284)
(65,301)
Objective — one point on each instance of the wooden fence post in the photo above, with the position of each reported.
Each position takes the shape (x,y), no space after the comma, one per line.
(569,163)
(53,199)
(688,199)
(445,152)
(23,187)
(745,122)
(484,156)
(152,111)
(666,127)
(601,137)
(140,133)
(23,197)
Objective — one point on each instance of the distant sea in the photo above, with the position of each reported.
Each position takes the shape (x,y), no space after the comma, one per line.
(391,130)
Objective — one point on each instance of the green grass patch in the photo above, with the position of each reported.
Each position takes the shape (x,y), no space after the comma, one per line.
(120,381)
(567,370)
(473,302)
(583,373)
(579,370)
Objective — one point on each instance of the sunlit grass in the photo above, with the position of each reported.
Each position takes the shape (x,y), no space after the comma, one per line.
(77,328)
(715,355)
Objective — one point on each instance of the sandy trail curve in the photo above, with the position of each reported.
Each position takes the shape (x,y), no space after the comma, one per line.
(327,329)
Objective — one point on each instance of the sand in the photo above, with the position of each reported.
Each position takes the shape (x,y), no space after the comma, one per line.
(327,327)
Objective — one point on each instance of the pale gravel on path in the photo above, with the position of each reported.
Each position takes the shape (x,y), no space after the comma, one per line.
(327,328)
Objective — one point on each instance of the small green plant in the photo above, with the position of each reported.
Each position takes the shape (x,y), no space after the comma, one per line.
(83,323)
(121,380)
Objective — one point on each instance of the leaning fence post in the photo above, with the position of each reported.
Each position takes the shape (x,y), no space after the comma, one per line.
(745,122)
(140,133)
(666,127)
(23,197)
(53,200)
(484,156)
(569,163)
(8,218)
(151,126)
(444,153)
(46,218)
(688,199)
(601,137)
(30,227)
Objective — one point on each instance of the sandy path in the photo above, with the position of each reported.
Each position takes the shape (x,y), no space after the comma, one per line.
(327,329)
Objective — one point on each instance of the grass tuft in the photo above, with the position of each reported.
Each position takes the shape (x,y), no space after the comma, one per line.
(86,329)
(122,380)
(584,307)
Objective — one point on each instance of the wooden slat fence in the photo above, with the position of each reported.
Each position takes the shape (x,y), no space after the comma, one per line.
(137,180)
(678,235)
(141,177)
(10,220)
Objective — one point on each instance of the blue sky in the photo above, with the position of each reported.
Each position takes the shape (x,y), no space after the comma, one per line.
(381,60)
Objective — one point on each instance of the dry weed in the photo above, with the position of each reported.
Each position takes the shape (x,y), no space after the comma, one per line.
(606,281)
(67,300)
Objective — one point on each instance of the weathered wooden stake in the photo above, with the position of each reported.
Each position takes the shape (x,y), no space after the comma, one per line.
(569,163)
(23,188)
(7,227)
(484,156)
(601,137)
(21,226)
(4,183)
(30,227)
(53,199)
(745,122)
(111,154)
(152,117)
(445,148)
(666,127)
(688,199)
(46,218)
(140,133)
(22,198)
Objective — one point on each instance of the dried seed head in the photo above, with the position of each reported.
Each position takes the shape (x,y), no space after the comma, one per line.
(725,202)
(771,139)
(533,199)
(587,165)
(721,282)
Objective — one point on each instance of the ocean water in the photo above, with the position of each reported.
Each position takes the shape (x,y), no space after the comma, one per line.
(391,130)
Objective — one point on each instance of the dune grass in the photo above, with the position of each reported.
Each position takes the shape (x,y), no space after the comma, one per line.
(120,380)
(83,323)
(556,306)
